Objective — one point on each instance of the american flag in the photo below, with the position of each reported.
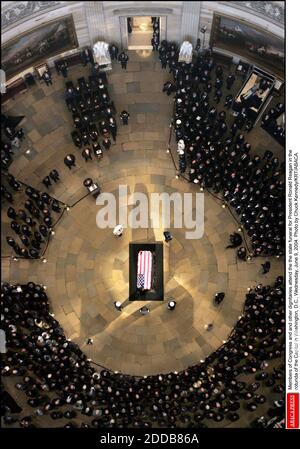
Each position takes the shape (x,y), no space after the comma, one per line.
(144,271)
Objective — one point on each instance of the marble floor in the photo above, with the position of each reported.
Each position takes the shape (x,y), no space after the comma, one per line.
(87,267)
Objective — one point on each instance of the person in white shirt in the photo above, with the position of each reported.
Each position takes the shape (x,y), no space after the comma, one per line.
(118,230)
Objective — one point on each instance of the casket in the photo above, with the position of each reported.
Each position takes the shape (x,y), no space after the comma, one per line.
(144,270)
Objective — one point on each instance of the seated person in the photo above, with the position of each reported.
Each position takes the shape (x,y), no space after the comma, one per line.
(235,240)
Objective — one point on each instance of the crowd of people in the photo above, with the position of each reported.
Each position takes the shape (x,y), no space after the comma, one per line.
(11,137)
(33,224)
(121,57)
(270,123)
(156,33)
(59,381)
(218,155)
(90,105)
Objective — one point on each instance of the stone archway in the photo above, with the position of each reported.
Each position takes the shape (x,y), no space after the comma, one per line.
(124,31)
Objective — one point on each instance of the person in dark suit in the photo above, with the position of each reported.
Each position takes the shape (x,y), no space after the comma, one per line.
(129,24)
(112,124)
(47,182)
(11,213)
(11,241)
(69,161)
(97,150)
(124,116)
(44,230)
(266,267)
(229,81)
(169,88)
(38,236)
(106,143)
(26,230)
(25,240)
(113,51)
(47,78)
(87,154)
(54,175)
(242,253)
(218,95)
(34,253)
(235,240)
(63,68)
(56,206)
(15,227)
(218,298)
(123,59)
(86,57)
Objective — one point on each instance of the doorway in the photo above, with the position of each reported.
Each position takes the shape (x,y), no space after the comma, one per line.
(138,32)
(142,32)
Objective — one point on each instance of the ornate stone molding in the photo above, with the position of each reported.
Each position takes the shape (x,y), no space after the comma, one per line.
(95,20)
(21,11)
(190,21)
(143,11)
(273,11)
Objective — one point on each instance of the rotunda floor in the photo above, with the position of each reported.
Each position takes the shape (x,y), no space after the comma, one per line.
(87,268)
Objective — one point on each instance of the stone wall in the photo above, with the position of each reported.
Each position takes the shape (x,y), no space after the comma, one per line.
(236,10)
(94,20)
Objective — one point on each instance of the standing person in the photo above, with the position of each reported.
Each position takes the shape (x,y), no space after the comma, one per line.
(47,182)
(242,253)
(163,57)
(106,143)
(69,161)
(129,24)
(266,267)
(198,47)
(86,57)
(229,81)
(169,88)
(124,116)
(63,68)
(34,253)
(218,298)
(123,59)
(54,175)
(113,51)
(47,78)
(228,101)
(44,230)
(112,124)
(10,241)
(218,95)
(155,42)
(15,227)
(55,206)
(87,154)
(235,240)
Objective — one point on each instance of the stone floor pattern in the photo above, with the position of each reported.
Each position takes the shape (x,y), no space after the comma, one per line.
(87,267)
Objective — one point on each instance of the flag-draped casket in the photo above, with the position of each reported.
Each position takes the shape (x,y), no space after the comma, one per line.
(144,270)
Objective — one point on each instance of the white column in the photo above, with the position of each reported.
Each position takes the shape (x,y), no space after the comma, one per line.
(190,21)
(95,21)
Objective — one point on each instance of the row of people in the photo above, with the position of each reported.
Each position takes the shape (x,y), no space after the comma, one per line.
(58,380)
(33,224)
(220,159)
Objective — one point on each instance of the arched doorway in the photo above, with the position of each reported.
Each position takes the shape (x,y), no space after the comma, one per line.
(137,30)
